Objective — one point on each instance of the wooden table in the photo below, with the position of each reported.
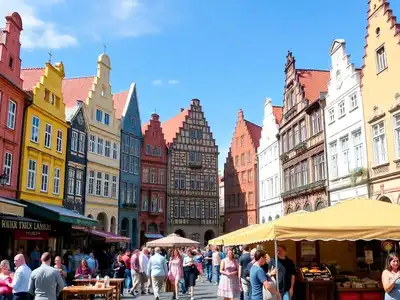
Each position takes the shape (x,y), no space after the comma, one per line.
(114,282)
(87,291)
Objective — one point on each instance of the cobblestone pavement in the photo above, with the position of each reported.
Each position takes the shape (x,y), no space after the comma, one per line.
(206,291)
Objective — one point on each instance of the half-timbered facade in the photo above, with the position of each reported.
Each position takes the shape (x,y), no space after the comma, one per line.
(192,189)
(302,139)
(240,174)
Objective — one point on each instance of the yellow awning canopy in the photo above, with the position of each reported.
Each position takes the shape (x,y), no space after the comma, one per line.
(220,240)
(355,219)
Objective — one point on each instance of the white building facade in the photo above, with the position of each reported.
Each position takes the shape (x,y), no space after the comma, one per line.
(270,202)
(344,129)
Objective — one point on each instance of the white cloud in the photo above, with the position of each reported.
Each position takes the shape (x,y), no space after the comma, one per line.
(173,81)
(37,33)
(156,82)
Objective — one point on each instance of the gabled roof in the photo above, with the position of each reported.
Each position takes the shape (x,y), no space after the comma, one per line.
(119,100)
(254,131)
(31,76)
(76,89)
(278,113)
(70,112)
(145,126)
(314,82)
(171,127)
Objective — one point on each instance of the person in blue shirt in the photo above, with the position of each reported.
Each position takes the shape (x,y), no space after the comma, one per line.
(259,279)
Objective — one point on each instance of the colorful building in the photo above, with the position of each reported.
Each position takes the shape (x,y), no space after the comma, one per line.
(269,166)
(103,130)
(14,101)
(240,176)
(192,187)
(301,137)
(221,193)
(154,181)
(344,129)
(127,111)
(381,101)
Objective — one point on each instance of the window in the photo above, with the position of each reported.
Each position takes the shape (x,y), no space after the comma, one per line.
(78,182)
(154,202)
(98,183)
(56,181)
(331,115)
(250,175)
(297,175)
(130,164)
(91,183)
(31,174)
(145,201)
(290,139)
(316,121)
(114,187)
(106,119)
(292,178)
(242,161)
(115,151)
(304,172)
(319,168)
(92,143)
(303,130)
(145,175)
(8,166)
(99,115)
(12,110)
(153,175)
(236,160)
(107,149)
(379,143)
(82,138)
(358,148)
(242,140)
(334,159)
(59,141)
(35,129)
(47,135)
(134,191)
(148,149)
(71,181)
(45,178)
(99,146)
(106,185)
(162,177)
(74,141)
(195,157)
(344,144)
(136,165)
(11,63)
(296,135)
(179,180)
(381,63)
(342,109)
(353,101)
(122,190)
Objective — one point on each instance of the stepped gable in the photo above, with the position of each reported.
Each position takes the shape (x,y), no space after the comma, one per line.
(119,100)
(171,126)
(75,89)
(30,77)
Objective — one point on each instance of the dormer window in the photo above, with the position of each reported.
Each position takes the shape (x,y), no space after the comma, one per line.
(381,63)
(11,63)
(338,79)
(103,91)
(52,98)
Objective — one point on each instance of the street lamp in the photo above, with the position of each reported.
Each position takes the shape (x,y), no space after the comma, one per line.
(4,178)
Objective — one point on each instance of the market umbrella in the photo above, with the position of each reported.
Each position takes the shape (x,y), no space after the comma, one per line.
(173,240)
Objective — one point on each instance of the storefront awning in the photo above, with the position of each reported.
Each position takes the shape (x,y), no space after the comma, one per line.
(25,228)
(108,236)
(11,206)
(57,214)
(153,236)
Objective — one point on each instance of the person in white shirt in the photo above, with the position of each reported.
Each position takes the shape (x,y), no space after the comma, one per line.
(20,283)
(157,270)
(143,263)
(216,261)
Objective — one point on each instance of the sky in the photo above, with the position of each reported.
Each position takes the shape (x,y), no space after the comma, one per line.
(230,54)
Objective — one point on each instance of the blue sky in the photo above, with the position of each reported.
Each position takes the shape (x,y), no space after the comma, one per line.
(230,54)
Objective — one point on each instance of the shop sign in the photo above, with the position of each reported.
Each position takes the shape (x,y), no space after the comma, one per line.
(24,225)
(387,246)
(31,235)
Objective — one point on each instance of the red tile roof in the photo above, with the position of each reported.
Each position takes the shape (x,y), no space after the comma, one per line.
(76,89)
(254,131)
(314,82)
(171,127)
(119,100)
(31,76)
(278,113)
(145,126)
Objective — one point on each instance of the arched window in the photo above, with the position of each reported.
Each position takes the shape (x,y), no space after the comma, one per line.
(263,220)
(277,217)
(153,228)
(269,219)
(308,207)
(320,205)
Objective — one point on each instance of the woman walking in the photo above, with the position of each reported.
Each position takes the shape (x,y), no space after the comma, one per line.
(391,278)
(199,264)
(5,281)
(119,268)
(229,287)
(175,273)
(190,272)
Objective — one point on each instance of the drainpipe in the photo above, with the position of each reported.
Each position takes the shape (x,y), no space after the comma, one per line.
(322,101)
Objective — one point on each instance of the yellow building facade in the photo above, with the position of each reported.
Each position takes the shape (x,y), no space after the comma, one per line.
(381,102)
(45,136)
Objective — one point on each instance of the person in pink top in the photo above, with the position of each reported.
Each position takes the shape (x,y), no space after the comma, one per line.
(135,271)
(175,272)
(5,281)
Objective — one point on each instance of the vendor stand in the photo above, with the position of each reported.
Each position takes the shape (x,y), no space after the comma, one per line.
(335,230)
(171,241)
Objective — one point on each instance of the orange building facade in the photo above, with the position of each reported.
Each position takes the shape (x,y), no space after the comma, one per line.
(240,176)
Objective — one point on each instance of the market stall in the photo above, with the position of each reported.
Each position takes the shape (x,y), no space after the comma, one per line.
(220,240)
(173,240)
(333,231)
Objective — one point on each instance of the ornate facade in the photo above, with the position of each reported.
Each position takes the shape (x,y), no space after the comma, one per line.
(381,101)
(269,166)
(240,174)
(344,129)
(192,188)
(302,139)
(154,181)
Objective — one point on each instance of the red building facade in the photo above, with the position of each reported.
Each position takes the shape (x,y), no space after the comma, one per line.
(240,176)
(13,101)
(154,180)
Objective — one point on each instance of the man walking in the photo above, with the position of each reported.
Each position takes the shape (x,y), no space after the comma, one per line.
(45,282)
(244,260)
(143,263)
(135,272)
(20,283)
(157,270)
(216,261)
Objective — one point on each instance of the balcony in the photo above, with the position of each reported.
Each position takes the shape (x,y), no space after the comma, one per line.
(156,212)
(300,148)
(304,189)
(195,164)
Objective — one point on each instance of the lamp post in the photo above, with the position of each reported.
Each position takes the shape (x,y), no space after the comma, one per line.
(4,178)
